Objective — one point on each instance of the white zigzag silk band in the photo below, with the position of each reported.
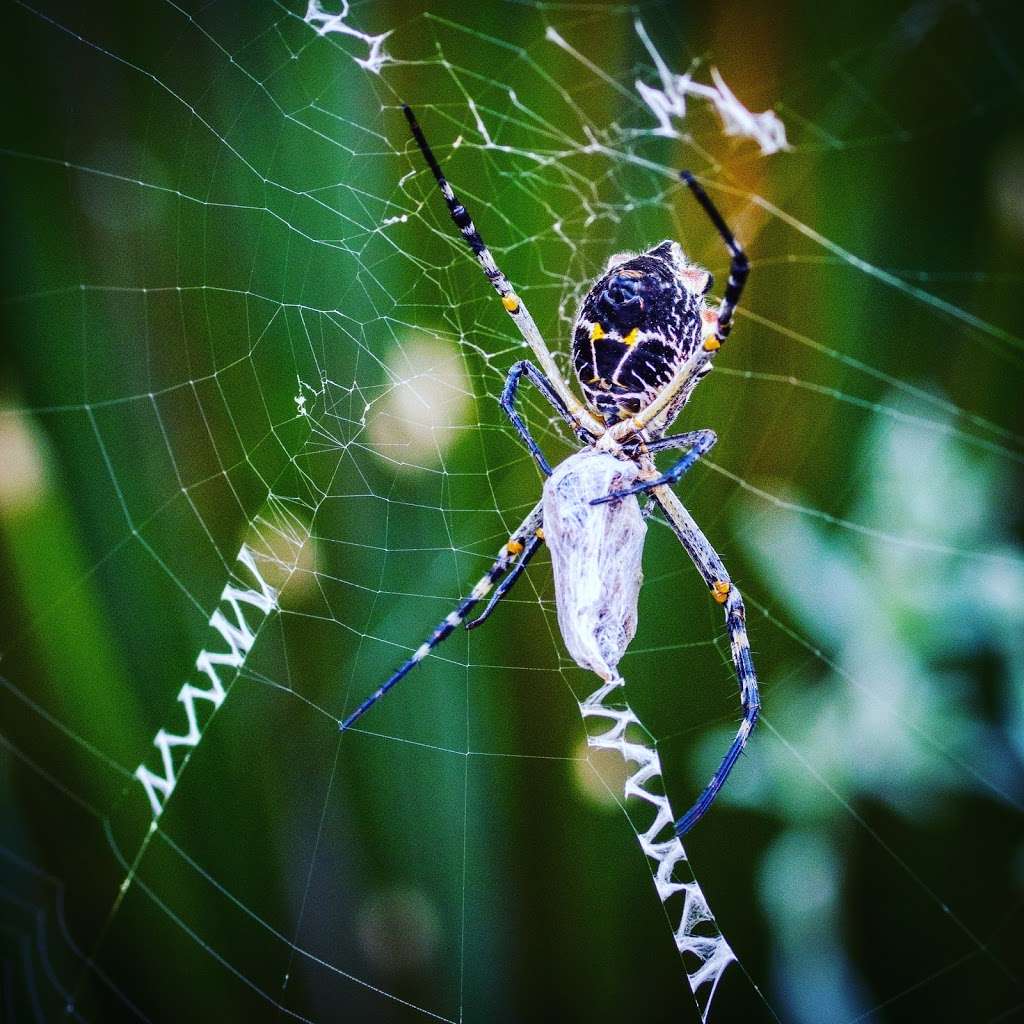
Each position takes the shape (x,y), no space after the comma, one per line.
(596,557)
(704,950)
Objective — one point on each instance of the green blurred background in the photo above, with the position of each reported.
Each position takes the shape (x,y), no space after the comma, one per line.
(231,299)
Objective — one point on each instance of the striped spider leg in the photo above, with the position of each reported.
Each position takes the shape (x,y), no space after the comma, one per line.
(725,593)
(513,304)
(739,266)
(522,544)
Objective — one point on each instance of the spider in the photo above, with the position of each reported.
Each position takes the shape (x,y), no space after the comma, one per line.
(642,340)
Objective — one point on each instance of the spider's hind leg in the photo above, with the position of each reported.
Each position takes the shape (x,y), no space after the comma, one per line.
(739,265)
(513,304)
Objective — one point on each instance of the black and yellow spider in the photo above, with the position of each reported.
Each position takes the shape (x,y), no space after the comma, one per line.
(643,338)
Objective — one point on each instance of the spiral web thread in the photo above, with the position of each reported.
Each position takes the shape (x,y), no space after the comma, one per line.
(704,950)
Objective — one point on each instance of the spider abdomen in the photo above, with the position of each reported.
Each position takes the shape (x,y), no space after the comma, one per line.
(635,328)
(596,557)
(623,378)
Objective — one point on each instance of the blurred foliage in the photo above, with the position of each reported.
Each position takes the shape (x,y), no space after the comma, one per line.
(227,290)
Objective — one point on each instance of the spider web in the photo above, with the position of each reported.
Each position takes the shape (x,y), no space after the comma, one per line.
(252,455)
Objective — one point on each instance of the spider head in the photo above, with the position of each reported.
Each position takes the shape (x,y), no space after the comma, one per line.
(637,324)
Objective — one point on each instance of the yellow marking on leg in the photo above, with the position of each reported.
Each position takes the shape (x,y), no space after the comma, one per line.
(597,332)
(720,590)
(709,326)
(539,533)
(513,547)
(511,303)
(630,339)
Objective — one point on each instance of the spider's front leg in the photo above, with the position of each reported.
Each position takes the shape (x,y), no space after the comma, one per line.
(700,442)
(519,546)
(530,547)
(724,592)
(545,387)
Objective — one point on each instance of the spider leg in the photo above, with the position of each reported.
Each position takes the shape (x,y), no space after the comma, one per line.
(700,442)
(516,544)
(544,386)
(710,566)
(514,306)
(739,266)
(509,581)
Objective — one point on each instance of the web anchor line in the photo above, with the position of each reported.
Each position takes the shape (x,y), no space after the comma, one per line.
(705,953)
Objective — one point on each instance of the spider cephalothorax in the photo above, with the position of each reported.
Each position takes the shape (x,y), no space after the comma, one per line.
(642,340)
(636,326)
